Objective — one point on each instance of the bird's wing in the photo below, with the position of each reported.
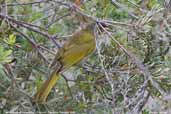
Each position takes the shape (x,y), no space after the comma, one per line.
(75,54)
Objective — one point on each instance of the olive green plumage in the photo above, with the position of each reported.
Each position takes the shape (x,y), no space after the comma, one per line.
(77,48)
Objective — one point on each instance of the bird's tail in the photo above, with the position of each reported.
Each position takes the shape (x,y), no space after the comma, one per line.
(47,86)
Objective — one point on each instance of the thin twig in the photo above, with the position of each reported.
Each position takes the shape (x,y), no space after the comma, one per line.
(29,3)
(28,26)
(137,62)
(69,89)
(32,43)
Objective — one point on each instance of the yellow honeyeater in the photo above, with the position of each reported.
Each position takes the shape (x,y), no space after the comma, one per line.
(79,46)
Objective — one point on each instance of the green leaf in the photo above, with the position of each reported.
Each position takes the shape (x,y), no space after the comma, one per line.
(11,40)
(4,55)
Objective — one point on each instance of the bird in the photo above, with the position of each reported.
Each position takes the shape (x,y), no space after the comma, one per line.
(77,48)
